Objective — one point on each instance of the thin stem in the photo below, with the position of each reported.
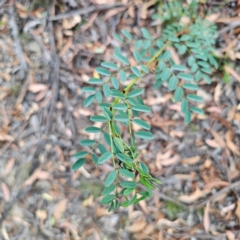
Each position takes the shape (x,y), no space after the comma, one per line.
(111,142)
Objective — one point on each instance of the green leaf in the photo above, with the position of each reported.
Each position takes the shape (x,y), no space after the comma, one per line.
(81,154)
(132,200)
(185,76)
(144,167)
(95,158)
(115,82)
(179,68)
(95,81)
(101,148)
(194,98)
(128,184)
(119,143)
(136,71)
(105,157)
(116,36)
(190,86)
(173,39)
(187,117)
(198,75)
(165,74)
(98,118)
(99,96)
(142,123)
(137,56)
(184,38)
(107,138)
(166,56)
(121,117)
(93,129)
(110,178)
(107,113)
(103,71)
(127,34)
(197,110)
(146,34)
(116,93)
(194,68)
(121,58)
(111,207)
(120,106)
(191,61)
(108,190)
(128,191)
(141,108)
(139,44)
(206,70)
(178,94)
(184,105)
(123,76)
(144,68)
(206,78)
(173,82)
(87,142)
(109,65)
(203,64)
(79,163)
(182,50)
(161,65)
(144,135)
(106,90)
(89,100)
(126,173)
(88,89)
(107,199)
(123,158)
(136,92)
(125,203)
(104,104)
(116,205)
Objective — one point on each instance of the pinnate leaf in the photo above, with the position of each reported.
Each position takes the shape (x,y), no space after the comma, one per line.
(144,135)
(79,163)
(105,157)
(110,178)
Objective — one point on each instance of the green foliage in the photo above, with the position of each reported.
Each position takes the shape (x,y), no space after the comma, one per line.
(119,86)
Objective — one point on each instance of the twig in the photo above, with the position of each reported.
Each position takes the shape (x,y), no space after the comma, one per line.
(86,11)
(15,34)
(55,75)
(224,190)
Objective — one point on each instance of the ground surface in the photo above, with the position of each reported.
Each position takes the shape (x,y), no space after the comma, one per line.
(47,54)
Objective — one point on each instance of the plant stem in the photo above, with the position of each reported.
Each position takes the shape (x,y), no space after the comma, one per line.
(111,141)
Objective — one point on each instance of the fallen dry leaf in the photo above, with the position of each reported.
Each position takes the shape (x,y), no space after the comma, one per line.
(136,226)
(60,208)
(37,87)
(213,184)
(219,140)
(230,144)
(232,72)
(206,220)
(100,212)
(9,166)
(169,161)
(69,23)
(237,211)
(194,196)
(144,8)
(41,214)
(5,191)
(191,160)
(230,235)
(38,174)
(165,222)
(5,137)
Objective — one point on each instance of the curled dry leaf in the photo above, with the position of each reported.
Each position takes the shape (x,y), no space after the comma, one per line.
(41,214)
(144,8)
(230,235)
(136,226)
(219,140)
(38,174)
(69,23)
(230,144)
(165,222)
(191,160)
(194,196)
(237,211)
(232,72)
(60,209)
(5,137)
(37,87)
